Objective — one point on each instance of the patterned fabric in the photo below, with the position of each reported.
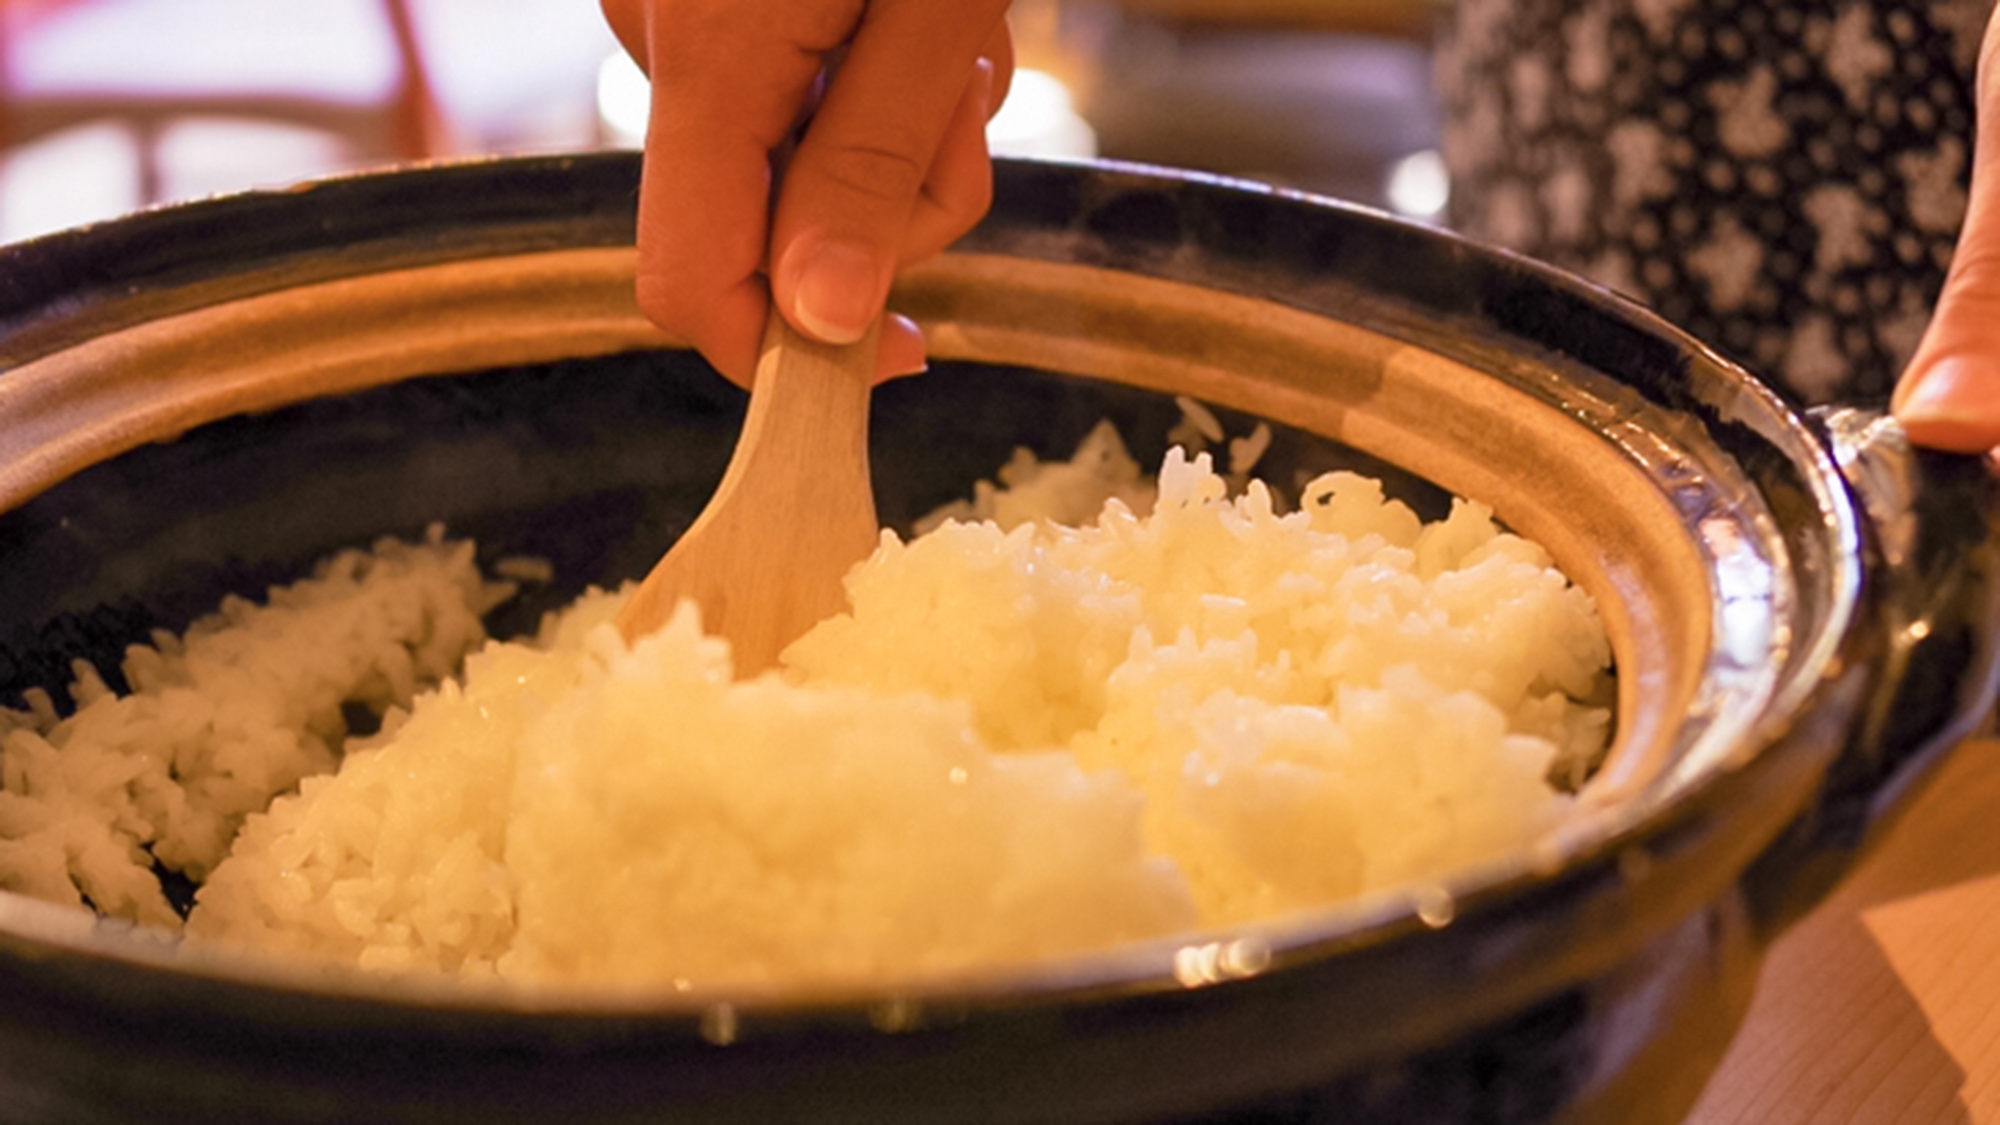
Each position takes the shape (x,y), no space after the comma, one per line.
(1783,178)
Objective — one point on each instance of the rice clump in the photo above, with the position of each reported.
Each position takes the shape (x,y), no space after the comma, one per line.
(1022,742)
(219,720)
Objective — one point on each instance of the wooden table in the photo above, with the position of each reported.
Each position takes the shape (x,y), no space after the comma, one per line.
(1884,1004)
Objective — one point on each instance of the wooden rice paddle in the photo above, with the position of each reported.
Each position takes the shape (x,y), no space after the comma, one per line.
(794,511)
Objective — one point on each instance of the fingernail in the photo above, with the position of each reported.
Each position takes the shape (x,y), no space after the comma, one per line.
(835,295)
(1939,394)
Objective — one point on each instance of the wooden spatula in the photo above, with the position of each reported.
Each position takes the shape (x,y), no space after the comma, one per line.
(794,511)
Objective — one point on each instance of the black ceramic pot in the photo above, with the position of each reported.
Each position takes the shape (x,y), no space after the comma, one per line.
(206,398)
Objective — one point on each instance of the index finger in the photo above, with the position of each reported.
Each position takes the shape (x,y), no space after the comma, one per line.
(1949,396)
(857,178)
(729,80)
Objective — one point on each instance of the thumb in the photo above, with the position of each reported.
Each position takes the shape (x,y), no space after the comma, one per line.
(850,197)
(1949,395)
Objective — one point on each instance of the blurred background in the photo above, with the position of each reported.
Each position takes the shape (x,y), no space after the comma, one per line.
(111,105)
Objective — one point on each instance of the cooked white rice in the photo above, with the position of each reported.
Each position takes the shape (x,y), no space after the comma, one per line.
(1019,744)
(221,719)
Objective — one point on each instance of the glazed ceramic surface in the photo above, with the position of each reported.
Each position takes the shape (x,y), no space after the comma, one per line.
(205,399)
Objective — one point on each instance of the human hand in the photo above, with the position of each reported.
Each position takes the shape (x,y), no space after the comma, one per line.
(891,170)
(1949,395)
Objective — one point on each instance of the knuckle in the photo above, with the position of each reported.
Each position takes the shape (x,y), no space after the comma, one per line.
(885,173)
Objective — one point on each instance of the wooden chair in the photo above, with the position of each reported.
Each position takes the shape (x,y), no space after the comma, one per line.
(350,68)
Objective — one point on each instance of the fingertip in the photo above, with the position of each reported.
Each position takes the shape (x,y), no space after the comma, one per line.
(901,350)
(1953,404)
(726,331)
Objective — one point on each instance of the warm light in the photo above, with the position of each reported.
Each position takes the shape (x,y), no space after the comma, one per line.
(39,192)
(1197,966)
(1419,187)
(623,101)
(1435,906)
(1039,119)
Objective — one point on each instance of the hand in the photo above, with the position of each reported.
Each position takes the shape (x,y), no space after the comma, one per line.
(891,169)
(1949,395)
